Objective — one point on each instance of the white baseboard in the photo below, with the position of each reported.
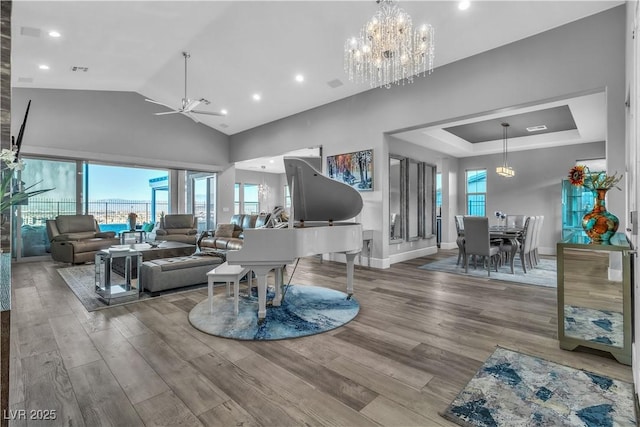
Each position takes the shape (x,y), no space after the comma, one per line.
(386,262)
(405,256)
(448,245)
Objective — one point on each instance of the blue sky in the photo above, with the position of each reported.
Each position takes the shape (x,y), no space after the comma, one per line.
(114,182)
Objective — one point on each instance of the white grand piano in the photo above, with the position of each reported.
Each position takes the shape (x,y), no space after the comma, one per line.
(318,204)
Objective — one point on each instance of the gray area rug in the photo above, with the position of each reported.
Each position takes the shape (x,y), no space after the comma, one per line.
(543,275)
(81,280)
(514,389)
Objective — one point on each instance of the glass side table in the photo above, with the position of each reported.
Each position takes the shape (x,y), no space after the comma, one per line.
(110,284)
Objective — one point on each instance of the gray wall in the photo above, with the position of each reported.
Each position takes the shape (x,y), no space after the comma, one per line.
(583,56)
(534,190)
(114,127)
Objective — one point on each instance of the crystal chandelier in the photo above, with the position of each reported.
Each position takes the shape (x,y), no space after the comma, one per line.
(388,49)
(505,170)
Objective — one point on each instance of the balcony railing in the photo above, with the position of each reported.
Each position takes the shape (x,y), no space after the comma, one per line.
(38,210)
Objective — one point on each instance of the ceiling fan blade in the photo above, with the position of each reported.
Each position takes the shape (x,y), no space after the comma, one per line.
(209,113)
(167,112)
(191,116)
(159,103)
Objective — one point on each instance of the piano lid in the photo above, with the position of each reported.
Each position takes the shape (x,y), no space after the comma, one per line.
(315,197)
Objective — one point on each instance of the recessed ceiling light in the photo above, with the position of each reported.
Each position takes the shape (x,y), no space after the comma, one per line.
(536,128)
(272,161)
(224,111)
(43,67)
(54,33)
(299,78)
(464,5)
(256,97)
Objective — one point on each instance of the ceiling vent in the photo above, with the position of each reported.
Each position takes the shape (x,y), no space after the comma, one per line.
(30,31)
(536,128)
(335,83)
(77,68)
(25,79)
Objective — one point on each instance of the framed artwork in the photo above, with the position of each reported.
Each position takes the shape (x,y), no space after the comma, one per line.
(354,169)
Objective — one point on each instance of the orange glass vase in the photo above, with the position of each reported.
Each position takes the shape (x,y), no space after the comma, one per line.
(600,224)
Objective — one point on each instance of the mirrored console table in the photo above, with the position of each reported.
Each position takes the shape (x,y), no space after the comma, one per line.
(594,295)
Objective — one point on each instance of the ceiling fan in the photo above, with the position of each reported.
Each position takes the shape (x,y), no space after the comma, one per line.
(188,105)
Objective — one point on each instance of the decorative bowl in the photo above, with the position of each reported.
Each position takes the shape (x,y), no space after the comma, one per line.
(154,243)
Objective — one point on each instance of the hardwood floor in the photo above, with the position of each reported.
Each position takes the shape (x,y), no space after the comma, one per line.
(419,338)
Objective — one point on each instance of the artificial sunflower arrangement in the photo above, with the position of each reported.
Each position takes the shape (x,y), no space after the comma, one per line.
(581,176)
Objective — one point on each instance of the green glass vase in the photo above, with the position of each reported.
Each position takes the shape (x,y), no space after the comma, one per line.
(600,224)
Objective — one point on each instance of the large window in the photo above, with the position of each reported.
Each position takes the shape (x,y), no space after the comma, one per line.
(246,198)
(31,237)
(439,193)
(251,202)
(112,192)
(236,198)
(476,188)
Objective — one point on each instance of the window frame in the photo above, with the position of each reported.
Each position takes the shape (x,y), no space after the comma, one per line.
(469,194)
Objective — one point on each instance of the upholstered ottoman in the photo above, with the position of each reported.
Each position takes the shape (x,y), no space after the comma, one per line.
(169,273)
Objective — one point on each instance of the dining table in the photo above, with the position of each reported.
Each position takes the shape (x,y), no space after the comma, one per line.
(512,234)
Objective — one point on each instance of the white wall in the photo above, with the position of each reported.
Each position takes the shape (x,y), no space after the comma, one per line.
(114,127)
(583,56)
(633,164)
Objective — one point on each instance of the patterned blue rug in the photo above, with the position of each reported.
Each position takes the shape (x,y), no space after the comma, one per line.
(543,275)
(305,310)
(513,389)
(602,326)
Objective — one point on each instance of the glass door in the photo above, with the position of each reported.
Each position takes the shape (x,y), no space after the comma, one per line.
(31,240)
(202,195)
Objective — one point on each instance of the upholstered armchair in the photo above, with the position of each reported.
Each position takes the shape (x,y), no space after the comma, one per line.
(178,228)
(76,238)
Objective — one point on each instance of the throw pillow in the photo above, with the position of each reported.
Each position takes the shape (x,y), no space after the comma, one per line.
(224,230)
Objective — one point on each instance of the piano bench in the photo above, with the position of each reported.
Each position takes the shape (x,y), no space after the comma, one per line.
(226,273)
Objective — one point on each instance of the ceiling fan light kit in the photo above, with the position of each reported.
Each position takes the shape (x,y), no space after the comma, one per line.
(188,105)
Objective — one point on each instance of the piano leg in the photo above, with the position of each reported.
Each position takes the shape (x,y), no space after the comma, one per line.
(350,262)
(277,300)
(261,274)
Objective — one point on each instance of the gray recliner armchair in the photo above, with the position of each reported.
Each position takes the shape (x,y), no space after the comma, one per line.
(76,238)
(178,228)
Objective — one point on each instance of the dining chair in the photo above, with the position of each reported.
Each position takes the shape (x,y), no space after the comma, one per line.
(477,242)
(515,221)
(536,239)
(527,242)
(460,239)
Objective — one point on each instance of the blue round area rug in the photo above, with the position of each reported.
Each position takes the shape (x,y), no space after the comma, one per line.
(305,310)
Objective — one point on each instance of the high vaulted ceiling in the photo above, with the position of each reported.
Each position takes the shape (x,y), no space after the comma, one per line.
(239,48)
